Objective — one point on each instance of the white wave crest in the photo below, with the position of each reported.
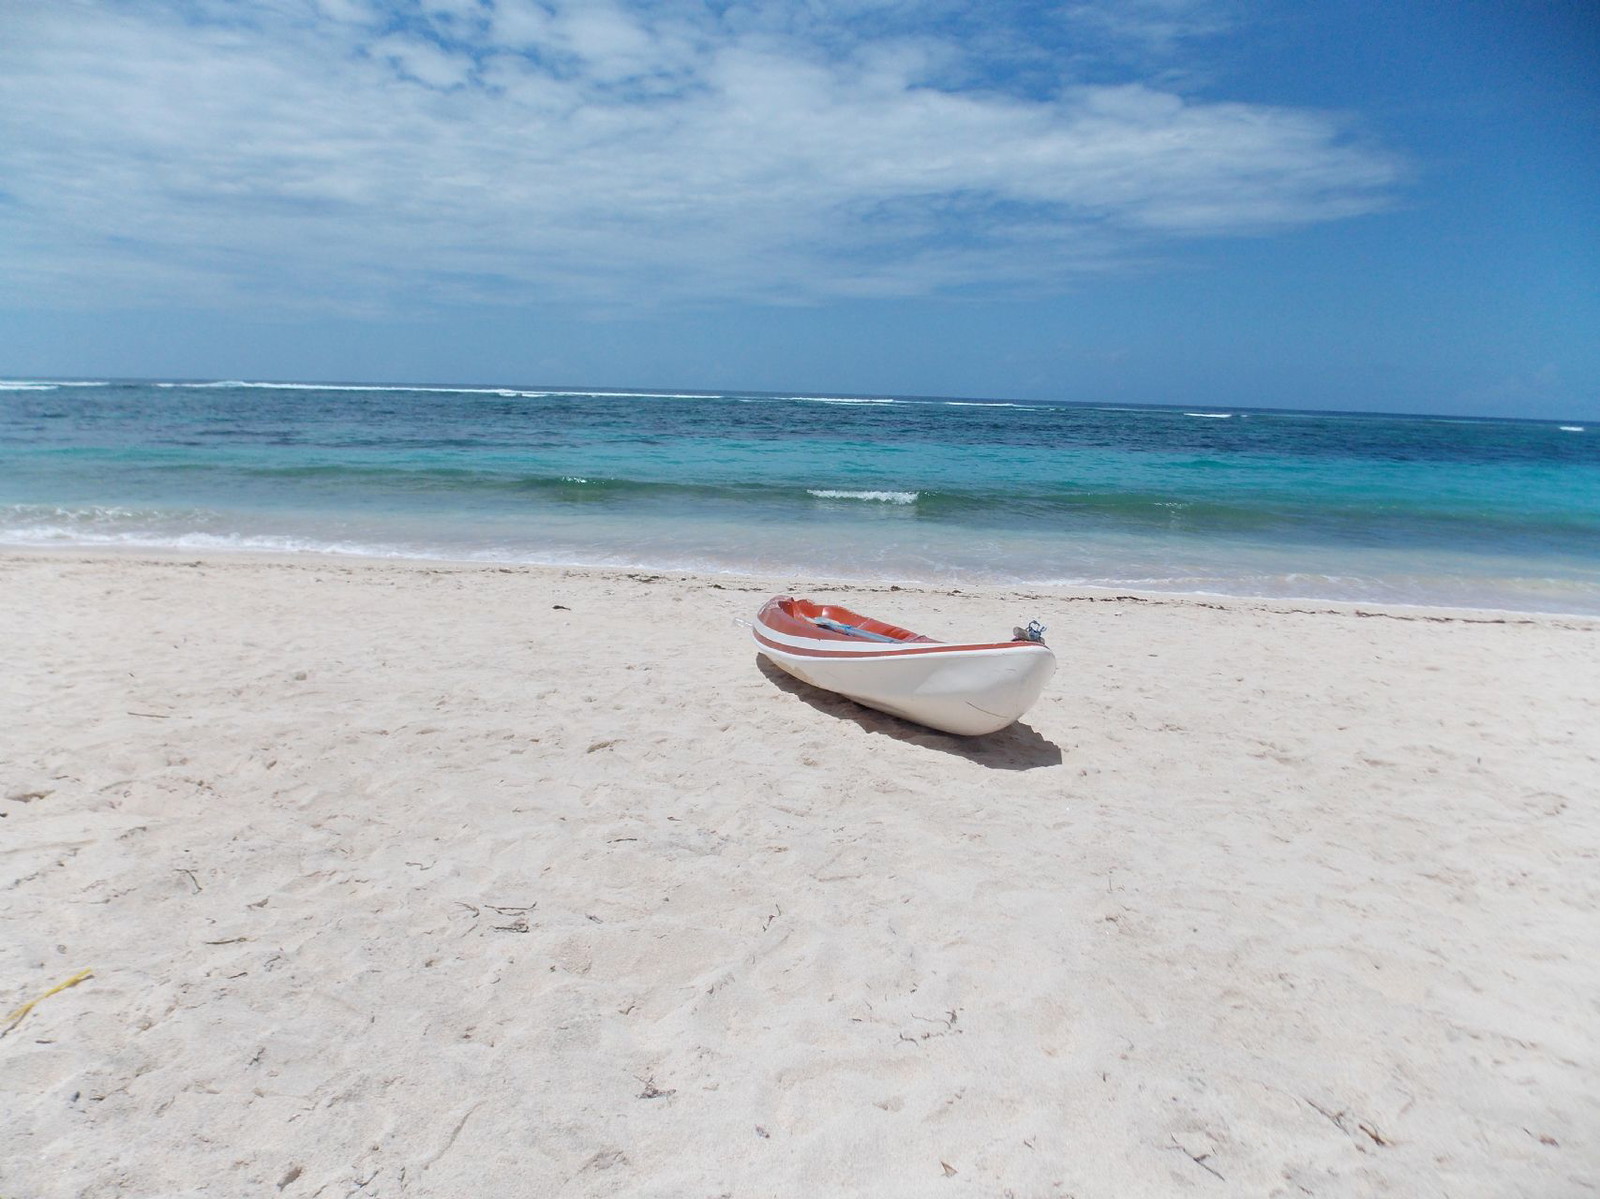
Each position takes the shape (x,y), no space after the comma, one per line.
(373,387)
(92,515)
(882,497)
(7,385)
(1212,415)
(1572,428)
(840,400)
(70,534)
(987,404)
(630,395)
(504,392)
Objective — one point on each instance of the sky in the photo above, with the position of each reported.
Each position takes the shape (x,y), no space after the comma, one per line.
(1383,206)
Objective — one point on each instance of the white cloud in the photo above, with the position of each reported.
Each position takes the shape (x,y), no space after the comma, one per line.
(1152,26)
(422,60)
(289,152)
(521,24)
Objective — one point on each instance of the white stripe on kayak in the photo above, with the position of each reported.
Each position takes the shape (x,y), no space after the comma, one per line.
(851,649)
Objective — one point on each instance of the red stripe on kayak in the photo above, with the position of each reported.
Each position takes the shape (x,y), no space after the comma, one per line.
(936,647)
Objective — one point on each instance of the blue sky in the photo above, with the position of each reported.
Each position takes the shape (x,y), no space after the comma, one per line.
(1386,206)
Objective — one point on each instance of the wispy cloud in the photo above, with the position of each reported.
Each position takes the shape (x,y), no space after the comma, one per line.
(390,156)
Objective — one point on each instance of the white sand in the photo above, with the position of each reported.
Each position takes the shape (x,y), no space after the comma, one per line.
(403,881)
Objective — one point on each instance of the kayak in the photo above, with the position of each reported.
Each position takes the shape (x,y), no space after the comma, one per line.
(968,689)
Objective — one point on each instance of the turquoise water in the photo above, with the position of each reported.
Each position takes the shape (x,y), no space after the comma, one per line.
(1233,501)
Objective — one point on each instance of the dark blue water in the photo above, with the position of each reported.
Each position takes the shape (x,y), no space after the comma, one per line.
(1409,509)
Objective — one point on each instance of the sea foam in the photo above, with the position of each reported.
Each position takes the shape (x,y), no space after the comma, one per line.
(882,497)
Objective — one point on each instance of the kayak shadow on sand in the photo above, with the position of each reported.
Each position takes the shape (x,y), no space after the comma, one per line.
(1016,747)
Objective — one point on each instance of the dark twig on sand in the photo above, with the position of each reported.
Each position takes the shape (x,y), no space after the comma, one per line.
(1198,1159)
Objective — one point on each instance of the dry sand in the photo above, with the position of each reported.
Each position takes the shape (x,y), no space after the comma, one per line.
(461,881)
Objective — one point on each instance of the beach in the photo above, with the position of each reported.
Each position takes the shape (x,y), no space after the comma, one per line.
(445,880)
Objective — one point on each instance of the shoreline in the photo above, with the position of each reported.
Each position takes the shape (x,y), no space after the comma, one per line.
(442,880)
(772,582)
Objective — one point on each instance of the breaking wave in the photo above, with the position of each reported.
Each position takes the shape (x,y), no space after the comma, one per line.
(882,497)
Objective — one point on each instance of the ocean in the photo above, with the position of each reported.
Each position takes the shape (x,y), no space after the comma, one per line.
(1500,514)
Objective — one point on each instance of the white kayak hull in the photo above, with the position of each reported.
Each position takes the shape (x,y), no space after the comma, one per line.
(964,689)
